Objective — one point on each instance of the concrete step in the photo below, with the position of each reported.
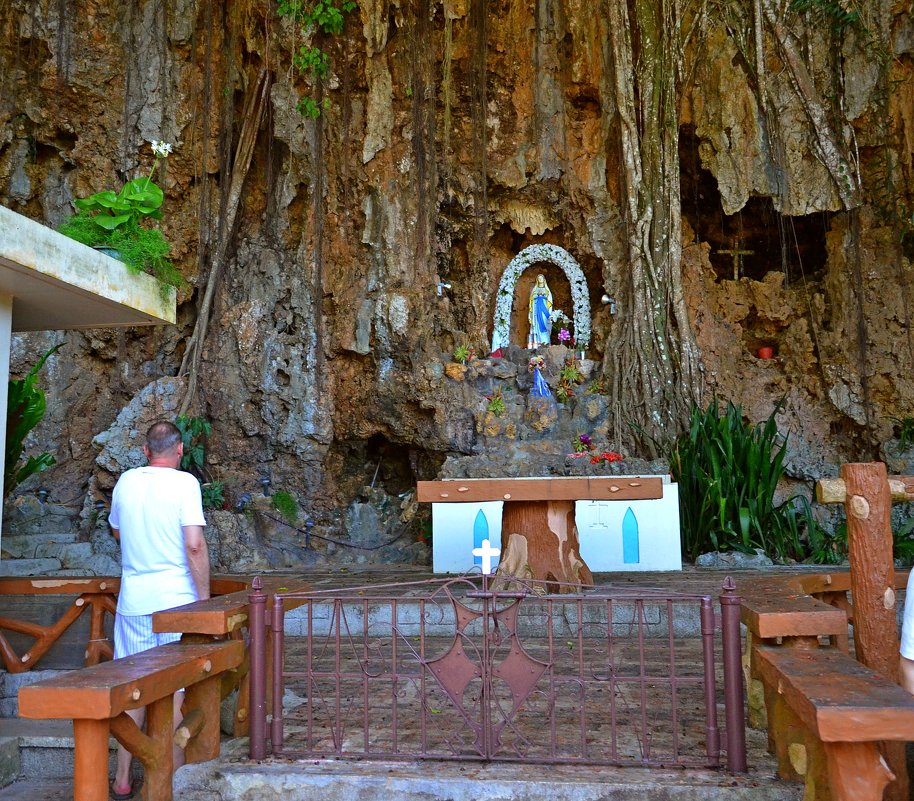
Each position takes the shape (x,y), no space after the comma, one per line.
(25,546)
(69,554)
(32,789)
(10,766)
(28,567)
(45,747)
(234,778)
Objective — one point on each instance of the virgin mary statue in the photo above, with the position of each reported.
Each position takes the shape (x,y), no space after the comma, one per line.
(539,310)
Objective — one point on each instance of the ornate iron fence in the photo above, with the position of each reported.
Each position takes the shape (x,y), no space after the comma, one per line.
(456,669)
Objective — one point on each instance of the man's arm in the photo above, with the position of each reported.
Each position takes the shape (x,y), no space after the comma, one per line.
(197,559)
(907,674)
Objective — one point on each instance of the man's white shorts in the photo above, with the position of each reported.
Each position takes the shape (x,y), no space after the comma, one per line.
(133,633)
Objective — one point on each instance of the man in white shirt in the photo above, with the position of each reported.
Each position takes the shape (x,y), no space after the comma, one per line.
(907,638)
(157,515)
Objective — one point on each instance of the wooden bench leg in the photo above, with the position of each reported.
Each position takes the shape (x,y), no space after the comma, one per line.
(160,728)
(90,760)
(784,730)
(204,697)
(856,771)
(154,749)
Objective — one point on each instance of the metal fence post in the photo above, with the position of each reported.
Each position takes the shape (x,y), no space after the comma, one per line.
(733,678)
(708,633)
(277,627)
(257,599)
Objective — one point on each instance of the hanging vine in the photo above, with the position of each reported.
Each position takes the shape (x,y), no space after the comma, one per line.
(654,365)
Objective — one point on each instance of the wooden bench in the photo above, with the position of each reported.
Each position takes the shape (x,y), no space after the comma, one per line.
(826,714)
(226,616)
(96,699)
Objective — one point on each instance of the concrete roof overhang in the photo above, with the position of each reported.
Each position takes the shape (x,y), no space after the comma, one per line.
(59,284)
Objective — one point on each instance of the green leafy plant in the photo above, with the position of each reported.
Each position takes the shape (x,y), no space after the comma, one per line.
(115,220)
(285,503)
(194,431)
(904,430)
(728,472)
(213,493)
(327,16)
(571,372)
(569,376)
(25,409)
(598,387)
(496,403)
(138,199)
(831,10)
(903,539)
(461,354)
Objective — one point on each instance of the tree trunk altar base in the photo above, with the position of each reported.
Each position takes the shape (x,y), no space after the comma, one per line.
(540,543)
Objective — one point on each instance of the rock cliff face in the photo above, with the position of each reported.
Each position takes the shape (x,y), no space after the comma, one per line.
(455,134)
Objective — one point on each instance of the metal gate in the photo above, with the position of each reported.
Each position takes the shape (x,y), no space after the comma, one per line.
(460,669)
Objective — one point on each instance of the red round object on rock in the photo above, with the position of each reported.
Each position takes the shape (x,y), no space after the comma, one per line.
(765,352)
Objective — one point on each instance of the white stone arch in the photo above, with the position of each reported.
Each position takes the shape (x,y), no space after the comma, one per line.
(504,301)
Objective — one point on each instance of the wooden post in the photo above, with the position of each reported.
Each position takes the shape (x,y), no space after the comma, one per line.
(204,698)
(90,760)
(868,504)
(159,764)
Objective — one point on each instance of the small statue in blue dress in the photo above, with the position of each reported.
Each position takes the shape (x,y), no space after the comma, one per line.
(540,309)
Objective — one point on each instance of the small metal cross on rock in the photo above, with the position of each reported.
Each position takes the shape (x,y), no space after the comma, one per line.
(737,255)
(486,552)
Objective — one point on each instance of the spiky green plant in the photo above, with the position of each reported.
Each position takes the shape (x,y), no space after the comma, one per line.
(26,406)
(728,472)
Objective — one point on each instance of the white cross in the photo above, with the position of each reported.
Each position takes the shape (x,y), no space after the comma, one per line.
(486,552)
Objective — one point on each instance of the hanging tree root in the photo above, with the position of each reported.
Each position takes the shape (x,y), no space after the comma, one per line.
(254,109)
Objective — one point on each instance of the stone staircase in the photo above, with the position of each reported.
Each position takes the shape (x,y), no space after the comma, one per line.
(32,748)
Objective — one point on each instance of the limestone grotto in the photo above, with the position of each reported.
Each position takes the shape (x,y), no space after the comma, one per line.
(731,180)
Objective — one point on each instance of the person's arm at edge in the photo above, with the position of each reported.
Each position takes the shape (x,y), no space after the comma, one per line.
(197,559)
(907,674)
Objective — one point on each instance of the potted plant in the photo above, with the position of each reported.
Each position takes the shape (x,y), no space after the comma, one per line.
(116,223)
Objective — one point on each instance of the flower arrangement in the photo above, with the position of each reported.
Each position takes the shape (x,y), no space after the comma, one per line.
(116,220)
(536,363)
(606,456)
(584,447)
